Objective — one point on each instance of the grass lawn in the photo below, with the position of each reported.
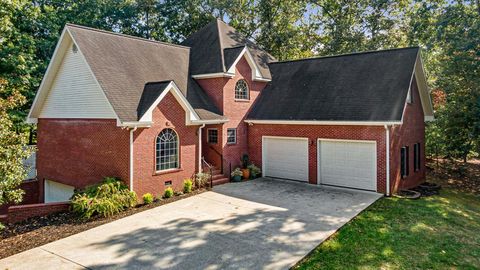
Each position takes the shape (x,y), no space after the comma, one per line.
(437,232)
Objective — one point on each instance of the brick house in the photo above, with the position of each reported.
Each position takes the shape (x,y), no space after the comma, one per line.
(154,113)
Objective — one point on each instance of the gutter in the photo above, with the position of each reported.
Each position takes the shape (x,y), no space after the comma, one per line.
(387,146)
(200,148)
(131,157)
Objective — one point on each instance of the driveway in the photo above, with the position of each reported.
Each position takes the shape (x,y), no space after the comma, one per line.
(259,224)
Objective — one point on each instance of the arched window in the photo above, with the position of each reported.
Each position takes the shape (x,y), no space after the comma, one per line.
(167,150)
(241,90)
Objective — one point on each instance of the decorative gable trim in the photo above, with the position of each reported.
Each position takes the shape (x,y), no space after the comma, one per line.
(256,75)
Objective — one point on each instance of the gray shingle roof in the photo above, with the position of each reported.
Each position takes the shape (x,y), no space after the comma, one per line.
(216,46)
(124,64)
(370,86)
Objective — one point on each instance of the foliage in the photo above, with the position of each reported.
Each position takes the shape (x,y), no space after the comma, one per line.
(106,199)
(187,185)
(254,169)
(148,198)
(202,179)
(168,193)
(236,172)
(13,150)
(1,226)
(392,232)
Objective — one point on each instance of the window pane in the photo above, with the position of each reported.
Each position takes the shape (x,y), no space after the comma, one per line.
(166,150)
(231,135)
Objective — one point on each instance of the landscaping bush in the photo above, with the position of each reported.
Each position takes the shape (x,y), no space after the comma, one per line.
(148,198)
(168,192)
(2,226)
(202,179)
(105,199)
(187,185)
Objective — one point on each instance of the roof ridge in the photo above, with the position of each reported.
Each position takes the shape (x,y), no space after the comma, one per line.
(345,54)
(127,36)
(222,55)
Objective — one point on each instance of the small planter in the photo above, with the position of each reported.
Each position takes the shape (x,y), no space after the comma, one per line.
(236,178)
(246,173)
(253,175)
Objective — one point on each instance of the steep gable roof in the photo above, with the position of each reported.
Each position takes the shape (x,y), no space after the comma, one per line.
(370,87)
(215,47)
(123,64)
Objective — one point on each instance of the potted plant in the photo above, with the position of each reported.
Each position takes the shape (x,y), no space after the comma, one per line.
(245,170)
(237,175)
(254,171)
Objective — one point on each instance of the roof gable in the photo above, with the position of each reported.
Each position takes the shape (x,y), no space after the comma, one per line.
(366,87)
(216,46)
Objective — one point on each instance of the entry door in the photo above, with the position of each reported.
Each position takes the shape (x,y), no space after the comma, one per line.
(285,157)
(351,164)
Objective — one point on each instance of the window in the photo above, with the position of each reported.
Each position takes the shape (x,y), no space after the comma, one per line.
(241,90)
(212,135)
(416,156)
(404,161)
(231,135)
(167,150)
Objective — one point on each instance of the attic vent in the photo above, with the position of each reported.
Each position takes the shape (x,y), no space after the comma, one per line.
(74,48)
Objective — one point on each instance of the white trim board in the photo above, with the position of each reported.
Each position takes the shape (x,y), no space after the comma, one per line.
(325,123)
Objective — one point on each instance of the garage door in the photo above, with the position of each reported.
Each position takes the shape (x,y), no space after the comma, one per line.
(348,164)
(285,157)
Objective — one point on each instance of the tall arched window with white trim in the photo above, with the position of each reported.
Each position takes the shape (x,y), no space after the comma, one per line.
(167,150)
(241,90)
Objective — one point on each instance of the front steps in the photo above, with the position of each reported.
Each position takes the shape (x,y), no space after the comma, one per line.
(218,178)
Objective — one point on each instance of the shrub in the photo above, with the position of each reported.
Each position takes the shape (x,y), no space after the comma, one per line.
(254,170)
(2,226)
(148,198)
(168,192)
(105,199)
(202,179)
(187,185)
(237,172)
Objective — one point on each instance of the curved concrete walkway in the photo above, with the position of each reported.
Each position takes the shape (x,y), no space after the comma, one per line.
(260,224)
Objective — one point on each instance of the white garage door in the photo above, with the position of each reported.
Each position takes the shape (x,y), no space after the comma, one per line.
(57,192)
(348,164)
(285,157)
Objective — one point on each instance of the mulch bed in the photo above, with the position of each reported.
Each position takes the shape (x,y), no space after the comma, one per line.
(39,231)
(464,177)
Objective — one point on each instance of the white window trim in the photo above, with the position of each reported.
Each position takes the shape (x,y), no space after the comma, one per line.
(235,137)
(178,153)
(208,135)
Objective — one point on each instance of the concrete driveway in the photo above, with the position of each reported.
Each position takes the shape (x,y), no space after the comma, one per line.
(260,224)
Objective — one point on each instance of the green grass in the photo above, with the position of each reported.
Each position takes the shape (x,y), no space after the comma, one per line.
(438,232)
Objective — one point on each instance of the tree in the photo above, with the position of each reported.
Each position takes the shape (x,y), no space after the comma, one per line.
(13,150)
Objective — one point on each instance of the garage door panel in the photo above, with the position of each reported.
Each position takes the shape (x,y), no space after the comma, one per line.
(286,158)
(348,164)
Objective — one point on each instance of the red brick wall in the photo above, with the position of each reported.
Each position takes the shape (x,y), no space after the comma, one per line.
(410,132)
(22,212)
(168,114)
(80,152)
(222,91)
(32,195)
(312,132)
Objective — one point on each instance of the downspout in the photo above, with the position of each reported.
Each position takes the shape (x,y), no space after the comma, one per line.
(131,157)
(200,148)
(387,146)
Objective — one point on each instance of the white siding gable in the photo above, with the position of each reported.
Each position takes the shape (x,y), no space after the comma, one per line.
(74,92)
